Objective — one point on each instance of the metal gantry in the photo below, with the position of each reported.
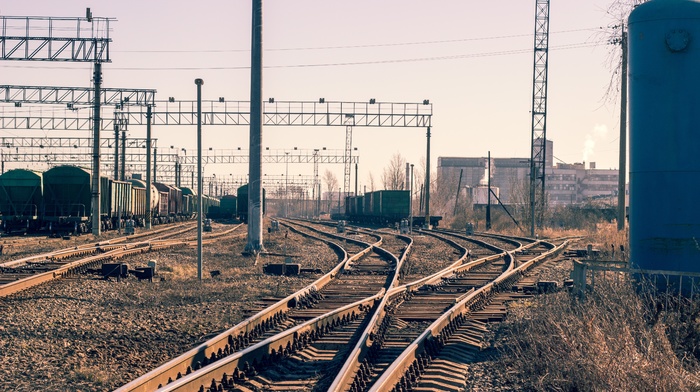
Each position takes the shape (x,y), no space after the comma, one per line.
(73,97)
(64,39)
(288,113)
(34,38)
(538,151)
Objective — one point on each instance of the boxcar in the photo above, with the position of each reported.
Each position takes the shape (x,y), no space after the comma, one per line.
(189,201)
(163,204)
(120,203)
(228,204)
(393,205)
(21,199)
(68,198)
(174,198)
(138,204)
(242,203)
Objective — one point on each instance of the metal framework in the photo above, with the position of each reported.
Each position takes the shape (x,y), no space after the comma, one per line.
(286,113)
(242,156)
(348,154)
(66,142)
(75,96)
(35,38)
(539,111)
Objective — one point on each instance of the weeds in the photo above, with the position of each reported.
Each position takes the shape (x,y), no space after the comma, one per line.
(615,340)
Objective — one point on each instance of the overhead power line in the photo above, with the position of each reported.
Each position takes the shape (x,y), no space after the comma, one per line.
(338,64)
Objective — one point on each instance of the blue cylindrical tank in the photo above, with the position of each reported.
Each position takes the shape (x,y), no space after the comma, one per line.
(664,117)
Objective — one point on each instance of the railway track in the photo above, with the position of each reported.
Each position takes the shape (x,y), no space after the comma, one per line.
(327,349)
(30,271)
(438,358)
(348,290)
(355,322)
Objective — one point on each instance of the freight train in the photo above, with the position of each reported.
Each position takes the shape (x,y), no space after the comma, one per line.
(382,207)
(242,205)
(60,200)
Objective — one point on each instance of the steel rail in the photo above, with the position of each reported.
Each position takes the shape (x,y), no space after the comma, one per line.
(269,349)
(179,365)
(265,351)
(359,352)
(199,379)
(345,381)
(101,251)
(409,360)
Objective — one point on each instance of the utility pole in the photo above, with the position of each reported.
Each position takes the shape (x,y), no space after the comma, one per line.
(254,244)
(123,171)
(149,212)
(488,203)
(200,210)
(96,216)
(623,135)
(427,180)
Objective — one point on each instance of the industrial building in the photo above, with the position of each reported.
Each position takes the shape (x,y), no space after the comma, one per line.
(565,184)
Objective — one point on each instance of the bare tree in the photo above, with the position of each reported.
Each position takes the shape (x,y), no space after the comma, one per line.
(618,12)
(331,182)
(371,182)
(394,175)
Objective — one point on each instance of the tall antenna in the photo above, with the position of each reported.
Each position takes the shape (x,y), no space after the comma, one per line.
(539,112)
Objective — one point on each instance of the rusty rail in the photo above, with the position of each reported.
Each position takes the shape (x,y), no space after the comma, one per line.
(269,349)
(202,353)
(352,364)
(439,330)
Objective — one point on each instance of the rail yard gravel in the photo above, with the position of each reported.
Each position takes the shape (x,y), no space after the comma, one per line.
(90,334)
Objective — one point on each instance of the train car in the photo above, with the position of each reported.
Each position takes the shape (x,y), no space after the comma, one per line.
(139,191)
(382,207)
(174,200)
(391,206)
(120,203)
(242,203)
(68,199)
(209,203)
(163,214)
(21,200)
(189,201)
(228,205)
(138,205)
(155,196)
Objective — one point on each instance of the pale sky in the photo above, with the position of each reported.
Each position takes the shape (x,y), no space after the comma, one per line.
(472,59)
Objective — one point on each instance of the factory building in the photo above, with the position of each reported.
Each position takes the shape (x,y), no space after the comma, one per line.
(565,184)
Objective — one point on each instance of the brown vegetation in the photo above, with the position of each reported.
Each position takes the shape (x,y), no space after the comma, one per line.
(612,341)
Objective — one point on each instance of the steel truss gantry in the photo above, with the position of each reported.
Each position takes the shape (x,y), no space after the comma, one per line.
(33,38)
(76,96)
(290,113)
(227,185)
(66,142)
(242,156)
(538,152)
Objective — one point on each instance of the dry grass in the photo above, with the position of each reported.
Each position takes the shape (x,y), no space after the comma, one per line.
(612,341)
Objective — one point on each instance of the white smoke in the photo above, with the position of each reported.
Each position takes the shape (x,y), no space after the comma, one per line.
(598,134)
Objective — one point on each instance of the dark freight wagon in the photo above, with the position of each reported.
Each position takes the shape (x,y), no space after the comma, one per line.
(21,199)
(68,198)
(242,203)
(227,206)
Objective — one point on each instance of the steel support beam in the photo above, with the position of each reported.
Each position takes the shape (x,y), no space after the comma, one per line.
(538,152)
(33,38)
(291,113)
(76,96)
